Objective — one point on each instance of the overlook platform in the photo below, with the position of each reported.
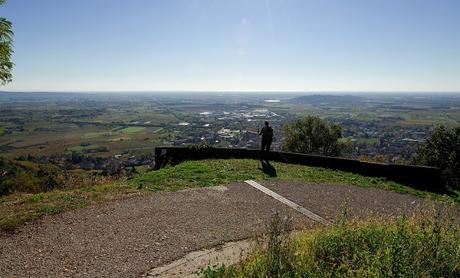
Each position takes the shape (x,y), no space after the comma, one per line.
(128,238)
(418,177)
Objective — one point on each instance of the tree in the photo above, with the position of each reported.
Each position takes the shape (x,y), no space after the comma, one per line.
(442,150)
(6,49)
(313,136)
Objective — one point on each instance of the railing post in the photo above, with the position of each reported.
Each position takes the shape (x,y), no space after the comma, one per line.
(158,159)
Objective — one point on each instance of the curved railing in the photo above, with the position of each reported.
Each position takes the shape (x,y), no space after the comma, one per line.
(419,177)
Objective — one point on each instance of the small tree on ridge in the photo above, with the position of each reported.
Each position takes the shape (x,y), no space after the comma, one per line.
(312,135)
(442,150)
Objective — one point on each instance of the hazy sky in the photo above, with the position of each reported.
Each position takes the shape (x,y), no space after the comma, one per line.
(322,45)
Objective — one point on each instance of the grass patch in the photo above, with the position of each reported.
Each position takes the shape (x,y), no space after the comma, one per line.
(118,139)
(368,141)
(83,148)
(418,122)
(219,172)
(19,208)
(427,246)
(92,135)
(132,129)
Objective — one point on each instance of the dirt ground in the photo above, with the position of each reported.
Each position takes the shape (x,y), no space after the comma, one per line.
(129,238)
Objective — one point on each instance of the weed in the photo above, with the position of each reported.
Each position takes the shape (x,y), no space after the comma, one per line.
(426,245)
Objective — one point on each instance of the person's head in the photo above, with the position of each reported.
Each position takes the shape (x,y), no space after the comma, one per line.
(266,123)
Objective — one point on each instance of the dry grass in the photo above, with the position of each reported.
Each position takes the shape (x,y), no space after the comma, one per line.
(426,245)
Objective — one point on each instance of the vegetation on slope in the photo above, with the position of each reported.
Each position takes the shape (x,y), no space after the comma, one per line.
(18,208)
(28,177)
(427,246)
(24,176)
(442,150)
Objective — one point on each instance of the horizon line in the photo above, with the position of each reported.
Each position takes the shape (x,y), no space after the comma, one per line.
(231,91)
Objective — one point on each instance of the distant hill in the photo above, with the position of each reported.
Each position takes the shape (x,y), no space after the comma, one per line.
(327,99)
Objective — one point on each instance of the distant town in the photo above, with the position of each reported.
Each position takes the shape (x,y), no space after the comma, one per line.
(110,132)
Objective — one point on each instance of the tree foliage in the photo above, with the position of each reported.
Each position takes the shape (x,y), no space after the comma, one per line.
(442,150)
(6,49)
(312,135)
(34,178)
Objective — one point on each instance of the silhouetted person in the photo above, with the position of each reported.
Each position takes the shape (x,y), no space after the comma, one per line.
(267,137)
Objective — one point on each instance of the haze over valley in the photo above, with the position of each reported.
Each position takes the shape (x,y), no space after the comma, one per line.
(108,129)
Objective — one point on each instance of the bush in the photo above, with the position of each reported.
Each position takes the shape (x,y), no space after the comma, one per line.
(416,247)
(442,150)
(312,135)
(16,177)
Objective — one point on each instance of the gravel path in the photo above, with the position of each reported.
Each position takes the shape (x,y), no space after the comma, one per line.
(130,237)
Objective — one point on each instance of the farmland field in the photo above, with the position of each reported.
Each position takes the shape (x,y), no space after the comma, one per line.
(108,125)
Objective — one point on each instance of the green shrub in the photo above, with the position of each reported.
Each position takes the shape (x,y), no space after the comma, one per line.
(442,149)
(16,177)
(312,135)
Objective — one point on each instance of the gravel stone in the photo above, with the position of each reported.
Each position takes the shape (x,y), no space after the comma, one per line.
(130,237)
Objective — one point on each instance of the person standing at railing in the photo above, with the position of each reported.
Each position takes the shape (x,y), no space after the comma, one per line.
(267,137)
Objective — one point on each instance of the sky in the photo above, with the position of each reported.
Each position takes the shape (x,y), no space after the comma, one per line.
(235,45)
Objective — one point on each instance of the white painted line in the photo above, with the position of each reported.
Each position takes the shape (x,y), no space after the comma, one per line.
(230,253)
(288,202)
